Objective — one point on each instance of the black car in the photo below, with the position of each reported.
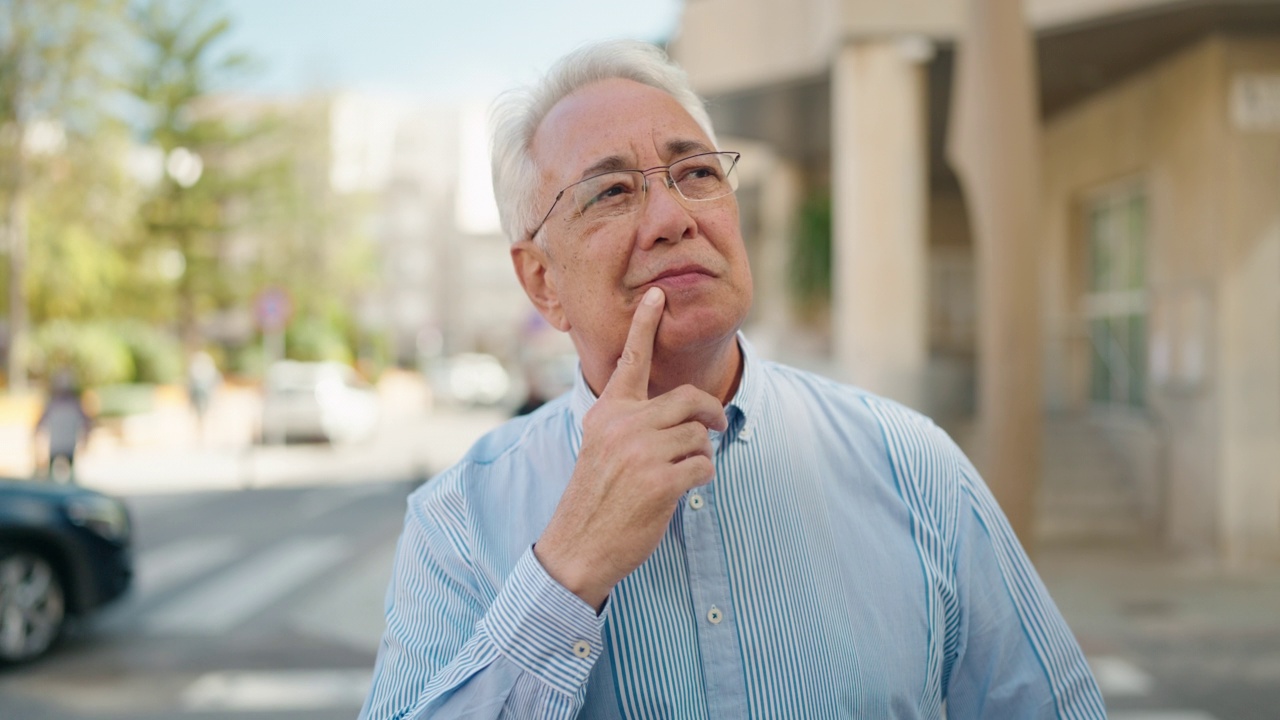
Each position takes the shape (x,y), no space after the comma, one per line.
(64,551)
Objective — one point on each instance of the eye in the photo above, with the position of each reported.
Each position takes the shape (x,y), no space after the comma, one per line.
(607,191)
(705,171)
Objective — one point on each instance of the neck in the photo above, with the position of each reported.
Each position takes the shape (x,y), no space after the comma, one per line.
(715,369)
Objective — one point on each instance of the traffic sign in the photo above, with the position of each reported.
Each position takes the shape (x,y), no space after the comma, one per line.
(271,308)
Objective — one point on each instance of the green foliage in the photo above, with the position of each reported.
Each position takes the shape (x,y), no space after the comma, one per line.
(811,256)
(92,352)
(181,65)
(104,353)
(261,214)
(82,219)
(315,340)
(156,354)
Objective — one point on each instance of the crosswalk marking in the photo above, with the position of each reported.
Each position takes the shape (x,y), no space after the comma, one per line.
(224,601)
(1160,715)
(1118,677)
(320,502)
(277,690)
(169,566)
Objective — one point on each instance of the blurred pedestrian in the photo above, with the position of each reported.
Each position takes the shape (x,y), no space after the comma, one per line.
(65,424)
(203,379)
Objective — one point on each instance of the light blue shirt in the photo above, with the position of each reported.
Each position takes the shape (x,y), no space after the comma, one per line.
(846,561)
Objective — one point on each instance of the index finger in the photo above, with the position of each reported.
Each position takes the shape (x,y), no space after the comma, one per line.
(631,377)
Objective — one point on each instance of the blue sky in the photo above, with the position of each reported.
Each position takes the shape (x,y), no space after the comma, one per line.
(433,49)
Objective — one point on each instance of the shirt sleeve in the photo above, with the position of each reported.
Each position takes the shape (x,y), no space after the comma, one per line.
(452,650)
(1016,657)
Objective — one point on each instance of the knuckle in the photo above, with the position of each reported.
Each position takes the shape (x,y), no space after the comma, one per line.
(702,467)
(695,433)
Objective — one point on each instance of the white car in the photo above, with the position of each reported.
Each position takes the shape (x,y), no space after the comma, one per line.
(324,401)
(471,379)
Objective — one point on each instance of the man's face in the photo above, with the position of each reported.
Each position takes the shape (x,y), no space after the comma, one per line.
(591,275)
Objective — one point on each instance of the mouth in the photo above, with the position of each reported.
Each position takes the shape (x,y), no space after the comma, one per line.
(680,276)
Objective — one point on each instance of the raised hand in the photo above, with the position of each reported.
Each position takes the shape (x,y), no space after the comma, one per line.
(639,456)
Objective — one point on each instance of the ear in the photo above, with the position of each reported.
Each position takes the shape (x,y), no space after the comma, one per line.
(533,270)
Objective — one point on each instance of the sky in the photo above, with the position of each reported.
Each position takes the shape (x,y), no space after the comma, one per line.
(434,50)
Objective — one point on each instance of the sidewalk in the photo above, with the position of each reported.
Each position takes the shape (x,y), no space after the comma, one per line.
(166,450)
(1164,632)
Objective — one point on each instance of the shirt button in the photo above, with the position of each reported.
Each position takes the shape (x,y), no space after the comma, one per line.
(582,649)
(714,616)
(696,502)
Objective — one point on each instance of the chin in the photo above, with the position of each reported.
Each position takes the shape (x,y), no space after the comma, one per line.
(699,328)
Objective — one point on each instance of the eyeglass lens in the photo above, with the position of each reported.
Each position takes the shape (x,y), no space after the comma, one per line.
(701,177)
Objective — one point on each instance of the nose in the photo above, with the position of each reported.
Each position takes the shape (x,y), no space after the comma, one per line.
(665,217)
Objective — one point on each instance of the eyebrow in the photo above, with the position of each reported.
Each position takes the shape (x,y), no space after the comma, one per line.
(617,162)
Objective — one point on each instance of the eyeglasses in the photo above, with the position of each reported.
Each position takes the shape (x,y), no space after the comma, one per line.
(619,193)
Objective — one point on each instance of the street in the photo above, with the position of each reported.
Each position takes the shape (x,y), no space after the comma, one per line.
(261,574)
(249,603)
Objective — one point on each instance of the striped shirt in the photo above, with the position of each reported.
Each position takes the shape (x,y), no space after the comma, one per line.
(846,561)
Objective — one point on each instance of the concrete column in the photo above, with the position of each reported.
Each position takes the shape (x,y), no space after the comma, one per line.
(879,200)
(780,199)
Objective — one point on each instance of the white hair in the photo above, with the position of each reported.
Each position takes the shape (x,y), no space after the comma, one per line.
(517,114)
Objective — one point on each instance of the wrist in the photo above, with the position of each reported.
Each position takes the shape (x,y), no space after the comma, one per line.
(571,573)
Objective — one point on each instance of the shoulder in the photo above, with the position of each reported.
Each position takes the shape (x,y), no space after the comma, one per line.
(849,405)
(920,456)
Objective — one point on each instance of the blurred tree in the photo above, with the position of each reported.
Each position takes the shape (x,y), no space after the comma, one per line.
(313,241)
(202,140)
(82,221)
(50,73)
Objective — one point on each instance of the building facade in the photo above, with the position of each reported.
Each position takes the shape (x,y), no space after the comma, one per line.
(1160,235)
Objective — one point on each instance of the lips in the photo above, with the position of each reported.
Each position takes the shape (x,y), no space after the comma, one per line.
(681,272)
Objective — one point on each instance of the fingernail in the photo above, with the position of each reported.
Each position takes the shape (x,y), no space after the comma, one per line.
(653,296)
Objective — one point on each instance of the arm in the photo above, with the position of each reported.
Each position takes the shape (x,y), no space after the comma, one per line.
(452,650)
(1016,657)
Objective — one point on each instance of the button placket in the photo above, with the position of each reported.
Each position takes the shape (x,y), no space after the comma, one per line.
(709,593)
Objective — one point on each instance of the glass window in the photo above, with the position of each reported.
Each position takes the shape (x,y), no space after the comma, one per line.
(1116,306)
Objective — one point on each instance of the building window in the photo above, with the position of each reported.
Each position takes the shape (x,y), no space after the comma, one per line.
(1116,301)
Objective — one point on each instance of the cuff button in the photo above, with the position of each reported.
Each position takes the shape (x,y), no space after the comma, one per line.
(582,649)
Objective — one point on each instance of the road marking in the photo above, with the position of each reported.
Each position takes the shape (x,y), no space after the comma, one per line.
(1118,677)
(323,501)
(1160,715)
(226,600)
(278,690)
(165,567)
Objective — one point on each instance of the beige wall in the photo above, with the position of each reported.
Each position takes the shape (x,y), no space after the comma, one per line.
(728,45)
(1213,269)
(733,45)
(1249,318)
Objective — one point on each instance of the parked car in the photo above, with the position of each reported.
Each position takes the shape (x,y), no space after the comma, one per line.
(474,379)
(323,401)
(64,552)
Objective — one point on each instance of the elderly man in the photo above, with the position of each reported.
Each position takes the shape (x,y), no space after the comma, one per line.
(694,532)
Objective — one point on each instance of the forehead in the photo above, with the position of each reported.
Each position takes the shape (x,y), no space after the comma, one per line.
(639,124)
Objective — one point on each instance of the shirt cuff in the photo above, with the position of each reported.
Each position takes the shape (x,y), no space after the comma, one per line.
(544,628)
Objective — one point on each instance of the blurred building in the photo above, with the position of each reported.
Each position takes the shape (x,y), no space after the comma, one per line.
(1160,222)
(446,284)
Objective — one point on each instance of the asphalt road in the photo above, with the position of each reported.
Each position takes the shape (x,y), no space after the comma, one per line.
(248,604)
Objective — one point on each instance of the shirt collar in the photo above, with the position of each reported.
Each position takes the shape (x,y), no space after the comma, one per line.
(742,410)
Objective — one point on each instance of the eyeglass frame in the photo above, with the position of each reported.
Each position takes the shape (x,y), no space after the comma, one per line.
(669,183)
